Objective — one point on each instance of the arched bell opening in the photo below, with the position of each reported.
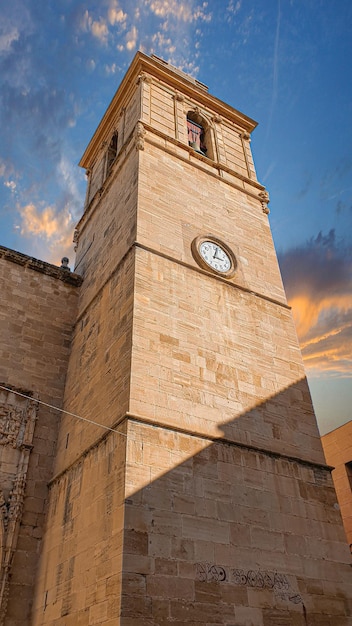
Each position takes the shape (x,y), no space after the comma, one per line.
(199,134)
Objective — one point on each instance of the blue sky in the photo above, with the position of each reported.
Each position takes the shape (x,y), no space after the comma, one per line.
(285,63)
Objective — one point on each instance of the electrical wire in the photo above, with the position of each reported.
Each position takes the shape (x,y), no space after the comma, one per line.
(51,406)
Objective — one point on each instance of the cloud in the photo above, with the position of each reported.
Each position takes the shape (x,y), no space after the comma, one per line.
(53,229)
(6,169)
(116,14)
(164,42)
(98,28)
(7,39)
(131,38)
(168,28)
(173,30)
(318,282)
(10,184)
(112,69)
(233,7)
(182,11)
(100,31)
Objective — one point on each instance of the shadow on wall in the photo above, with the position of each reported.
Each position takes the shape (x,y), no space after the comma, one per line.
(213,533)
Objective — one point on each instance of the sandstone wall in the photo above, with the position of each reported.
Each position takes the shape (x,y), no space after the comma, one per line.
(37,312)
(221,534)
(80,572)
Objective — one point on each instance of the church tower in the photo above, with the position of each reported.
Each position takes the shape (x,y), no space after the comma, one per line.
(195,489)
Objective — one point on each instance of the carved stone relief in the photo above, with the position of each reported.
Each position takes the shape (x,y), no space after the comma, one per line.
(179,96)
(264,198)
(144,78)
(139,136)
(17,421)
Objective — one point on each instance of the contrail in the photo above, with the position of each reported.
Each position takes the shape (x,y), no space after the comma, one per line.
(275,68)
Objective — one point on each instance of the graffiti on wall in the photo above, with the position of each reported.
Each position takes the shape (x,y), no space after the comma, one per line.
(278,583)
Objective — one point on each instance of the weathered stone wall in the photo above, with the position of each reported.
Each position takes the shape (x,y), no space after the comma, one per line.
(123,124)
(206,353)
(108,227)
(98,377)
(221,534)
(37,312)
(80,572)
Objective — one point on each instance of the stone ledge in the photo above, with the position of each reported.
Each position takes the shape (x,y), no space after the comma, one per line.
(158,425)
(40,266)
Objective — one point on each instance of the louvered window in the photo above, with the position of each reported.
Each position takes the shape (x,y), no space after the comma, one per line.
(196,136)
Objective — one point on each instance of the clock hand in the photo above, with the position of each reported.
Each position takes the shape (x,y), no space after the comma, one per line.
(214,255)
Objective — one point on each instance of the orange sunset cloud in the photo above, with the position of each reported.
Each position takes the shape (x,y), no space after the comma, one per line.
(318,281)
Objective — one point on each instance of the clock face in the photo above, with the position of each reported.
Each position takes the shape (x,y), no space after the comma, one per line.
(215,256)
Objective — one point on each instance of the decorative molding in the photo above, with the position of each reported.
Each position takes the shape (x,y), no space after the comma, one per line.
(144,78)
(265,199)
(12,424)
(17,422)
(246,136)
(217,119)
(75,238)
(179,96)
(139,136)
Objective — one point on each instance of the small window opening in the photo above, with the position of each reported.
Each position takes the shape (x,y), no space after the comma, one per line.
(196,133)
(112,153)
(348,467)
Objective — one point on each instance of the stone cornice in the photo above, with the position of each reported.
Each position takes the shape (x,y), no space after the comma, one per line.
(122,422)
(40,266)
(179,81)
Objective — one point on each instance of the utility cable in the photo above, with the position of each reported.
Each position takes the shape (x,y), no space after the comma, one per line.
(51,406)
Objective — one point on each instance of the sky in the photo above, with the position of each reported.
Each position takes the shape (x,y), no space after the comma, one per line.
(285,63)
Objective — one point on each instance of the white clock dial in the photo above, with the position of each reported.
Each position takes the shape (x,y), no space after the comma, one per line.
(215,256)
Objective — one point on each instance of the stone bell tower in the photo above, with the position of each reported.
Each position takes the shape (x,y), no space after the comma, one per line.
(196,491)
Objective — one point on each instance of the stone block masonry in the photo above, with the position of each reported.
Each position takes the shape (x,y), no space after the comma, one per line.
(37,313)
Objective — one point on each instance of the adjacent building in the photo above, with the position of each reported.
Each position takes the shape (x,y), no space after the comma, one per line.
(337,447)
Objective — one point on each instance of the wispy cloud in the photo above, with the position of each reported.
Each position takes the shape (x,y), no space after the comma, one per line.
(51,229)
(275,84)
(233,7)
(131,38)
(98,28)
(10,184)
(7,39)
(318,282)
(182,11)
(115,14)
(168,28)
